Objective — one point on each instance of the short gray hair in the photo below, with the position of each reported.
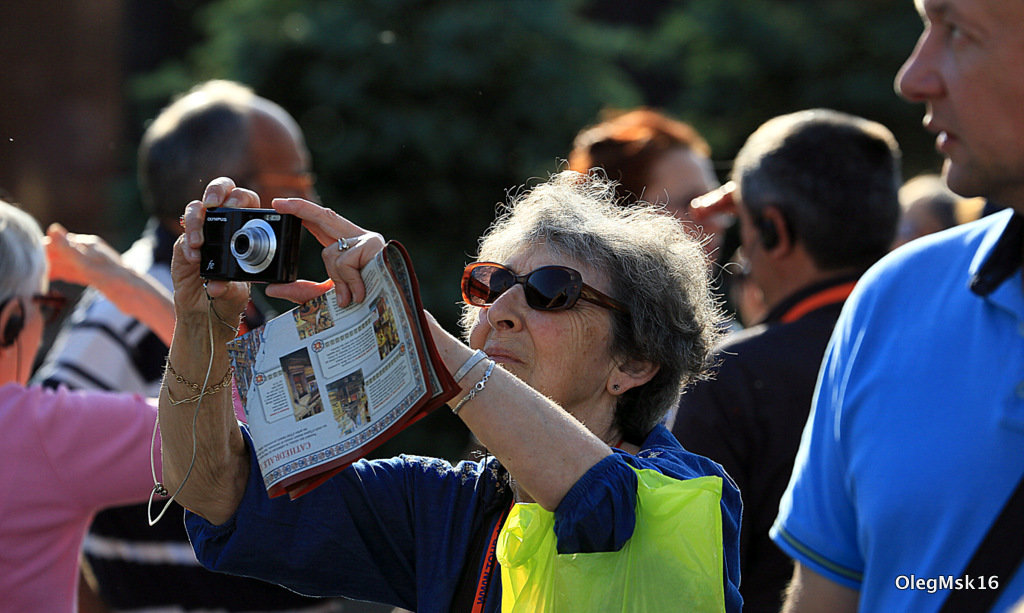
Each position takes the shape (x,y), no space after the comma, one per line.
(833,176)
(655,267)
(22,258)
(202,135)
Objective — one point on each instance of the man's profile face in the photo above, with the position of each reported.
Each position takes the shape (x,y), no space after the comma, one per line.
(968,69)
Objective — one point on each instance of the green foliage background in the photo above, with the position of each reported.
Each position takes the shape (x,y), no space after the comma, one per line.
(421,114)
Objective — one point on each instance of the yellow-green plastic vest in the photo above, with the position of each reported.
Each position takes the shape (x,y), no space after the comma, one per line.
(673,562)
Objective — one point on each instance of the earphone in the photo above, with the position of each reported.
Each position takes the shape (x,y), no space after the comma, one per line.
(15,323)
(769,234)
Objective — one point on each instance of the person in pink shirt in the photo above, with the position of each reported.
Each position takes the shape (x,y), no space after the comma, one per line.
(66,454)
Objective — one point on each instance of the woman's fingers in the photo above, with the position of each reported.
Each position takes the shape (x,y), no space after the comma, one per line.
(217,191)
(299,291)
(240,198)
(190,289)
(192,223)
(192,292)
(347,247)
(344,266)
(220,192)
(323,223)
(345,259)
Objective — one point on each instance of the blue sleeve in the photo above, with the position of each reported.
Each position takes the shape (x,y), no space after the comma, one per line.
(816,524)
(599,512)
(394,531)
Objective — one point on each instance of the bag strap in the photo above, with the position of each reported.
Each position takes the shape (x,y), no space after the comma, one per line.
(481,550)
(999,555)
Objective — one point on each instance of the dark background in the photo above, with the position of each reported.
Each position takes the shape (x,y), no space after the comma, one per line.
(421,114)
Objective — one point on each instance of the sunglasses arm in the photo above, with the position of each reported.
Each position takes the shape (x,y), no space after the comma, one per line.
(595,297)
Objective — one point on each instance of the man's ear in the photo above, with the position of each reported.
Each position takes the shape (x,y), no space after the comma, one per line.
(630,374)
(774,229)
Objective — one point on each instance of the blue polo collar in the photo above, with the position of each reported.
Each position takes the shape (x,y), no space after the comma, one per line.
(1003,260)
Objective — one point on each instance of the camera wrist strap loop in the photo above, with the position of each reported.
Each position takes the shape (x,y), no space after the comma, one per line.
(158,487)
(209,302)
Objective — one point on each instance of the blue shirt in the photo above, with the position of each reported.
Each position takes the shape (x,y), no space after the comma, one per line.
(401,531)
(916,436)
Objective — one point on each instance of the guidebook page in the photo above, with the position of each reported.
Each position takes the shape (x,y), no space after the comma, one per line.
(319,382)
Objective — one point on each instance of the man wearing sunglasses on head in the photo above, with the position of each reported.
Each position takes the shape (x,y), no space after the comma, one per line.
(66,454)
(582,322)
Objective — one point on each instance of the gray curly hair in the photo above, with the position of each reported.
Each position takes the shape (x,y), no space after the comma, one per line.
(655,267)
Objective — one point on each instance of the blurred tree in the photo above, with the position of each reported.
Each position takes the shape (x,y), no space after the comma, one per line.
(729,65)
(420,114)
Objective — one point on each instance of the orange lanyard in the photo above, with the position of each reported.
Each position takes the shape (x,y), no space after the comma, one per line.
(489,563)
(816,301)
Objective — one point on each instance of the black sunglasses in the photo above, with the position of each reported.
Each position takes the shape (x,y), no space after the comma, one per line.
(50,305)
(549,288)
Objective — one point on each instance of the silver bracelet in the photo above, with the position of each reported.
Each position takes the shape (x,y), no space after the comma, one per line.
(479,387)
(469,364)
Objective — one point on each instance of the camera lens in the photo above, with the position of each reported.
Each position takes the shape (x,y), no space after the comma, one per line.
(254,245)
(242,244)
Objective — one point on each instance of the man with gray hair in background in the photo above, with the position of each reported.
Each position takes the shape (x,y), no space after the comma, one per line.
(217,128)
(816,196)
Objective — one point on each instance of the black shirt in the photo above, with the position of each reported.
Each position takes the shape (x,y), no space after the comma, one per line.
(750,417)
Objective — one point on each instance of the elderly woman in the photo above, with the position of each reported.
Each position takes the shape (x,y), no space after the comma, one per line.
(595,315)
(66,454)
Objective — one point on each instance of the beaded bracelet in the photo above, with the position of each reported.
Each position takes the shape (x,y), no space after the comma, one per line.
(195,387)
(479,387)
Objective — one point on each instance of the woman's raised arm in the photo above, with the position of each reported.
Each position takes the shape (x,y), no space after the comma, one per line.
(85,259)
(204,454)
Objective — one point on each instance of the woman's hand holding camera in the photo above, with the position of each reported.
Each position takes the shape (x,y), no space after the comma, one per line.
(190,290)
(347,248)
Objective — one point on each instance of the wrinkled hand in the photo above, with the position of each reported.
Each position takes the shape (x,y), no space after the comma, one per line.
(82,259)
(343,265)
(190,296)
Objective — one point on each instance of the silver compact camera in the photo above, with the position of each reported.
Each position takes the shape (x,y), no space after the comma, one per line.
(257,245)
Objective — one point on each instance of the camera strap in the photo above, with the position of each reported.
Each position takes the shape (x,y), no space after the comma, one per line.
(999,555)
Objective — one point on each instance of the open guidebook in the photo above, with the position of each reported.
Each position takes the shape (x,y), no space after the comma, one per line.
(322,386)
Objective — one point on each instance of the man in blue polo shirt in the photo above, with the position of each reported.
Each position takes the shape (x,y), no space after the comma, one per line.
(916,437)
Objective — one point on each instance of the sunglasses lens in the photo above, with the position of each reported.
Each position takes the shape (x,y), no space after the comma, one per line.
(552,288)
(484,284)
(50,305)
(549,288)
